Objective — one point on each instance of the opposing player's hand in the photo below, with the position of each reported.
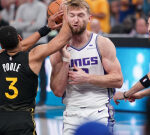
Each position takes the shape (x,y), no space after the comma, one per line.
(77,76)
(65,52)
(66,28)
(118,96)
(135,96)
(52,20)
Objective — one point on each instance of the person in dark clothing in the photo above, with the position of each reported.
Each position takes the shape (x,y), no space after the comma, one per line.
(19,77)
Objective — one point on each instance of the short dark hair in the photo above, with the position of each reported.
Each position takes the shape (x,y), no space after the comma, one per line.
(8,37)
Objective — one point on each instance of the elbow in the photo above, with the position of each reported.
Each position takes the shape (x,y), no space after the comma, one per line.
(58,94)
(119,82)
(57,91)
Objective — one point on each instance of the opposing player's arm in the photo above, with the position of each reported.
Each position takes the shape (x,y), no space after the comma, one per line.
(113,78)
(27,43)
(39,53)
(140,85)
(59,75)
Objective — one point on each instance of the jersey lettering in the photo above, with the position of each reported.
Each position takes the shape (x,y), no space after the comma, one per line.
(11,67)
(84,61)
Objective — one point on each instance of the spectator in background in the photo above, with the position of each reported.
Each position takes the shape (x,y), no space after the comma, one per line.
(141,26)
(3,22)
(146,7)
(126,9)
(114,12)
(126,27)
(100,11)
(95,26)
(19,3)
(30,16)
(8,11)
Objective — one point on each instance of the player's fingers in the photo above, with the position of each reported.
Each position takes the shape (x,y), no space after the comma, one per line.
(58,26)
(76,68)
(71,73)
(60,13)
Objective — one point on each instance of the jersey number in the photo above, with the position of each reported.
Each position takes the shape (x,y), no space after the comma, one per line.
(12,88)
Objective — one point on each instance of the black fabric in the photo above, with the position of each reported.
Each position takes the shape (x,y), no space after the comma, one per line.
(44,31)
(16,123)
(145,81)
(20,95)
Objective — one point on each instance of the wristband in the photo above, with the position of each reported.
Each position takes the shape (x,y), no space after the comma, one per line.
(145,81)
(124,95)
(66,59)
(43,31)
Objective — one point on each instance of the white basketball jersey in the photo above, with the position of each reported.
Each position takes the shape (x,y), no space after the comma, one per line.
(89,59)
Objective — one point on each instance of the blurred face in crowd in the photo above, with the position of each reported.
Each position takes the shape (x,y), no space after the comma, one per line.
(95,26)
(141,26)
(124,2)
(115,7)
(78,19)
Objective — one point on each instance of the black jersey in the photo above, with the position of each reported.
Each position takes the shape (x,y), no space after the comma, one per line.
(18,83)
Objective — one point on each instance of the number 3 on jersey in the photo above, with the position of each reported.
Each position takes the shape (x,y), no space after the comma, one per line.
(12,88)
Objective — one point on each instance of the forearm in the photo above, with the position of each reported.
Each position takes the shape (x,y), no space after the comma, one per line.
(136,88)
(106,81)
(60,80)
(145,93)
(58,42)
(30,41)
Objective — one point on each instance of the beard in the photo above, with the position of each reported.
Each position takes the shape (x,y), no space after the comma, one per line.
(78,31)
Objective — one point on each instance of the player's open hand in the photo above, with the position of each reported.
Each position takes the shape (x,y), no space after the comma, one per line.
(77,76)
(52,20)
(118,96)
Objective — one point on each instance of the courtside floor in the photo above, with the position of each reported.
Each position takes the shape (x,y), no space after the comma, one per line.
(49,121)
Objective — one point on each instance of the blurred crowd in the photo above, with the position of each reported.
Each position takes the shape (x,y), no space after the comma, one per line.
(108,16)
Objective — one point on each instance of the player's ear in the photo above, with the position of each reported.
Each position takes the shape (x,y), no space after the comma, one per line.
(90,18)
(19,37)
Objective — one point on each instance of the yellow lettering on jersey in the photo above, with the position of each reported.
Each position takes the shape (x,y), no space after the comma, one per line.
(11,87)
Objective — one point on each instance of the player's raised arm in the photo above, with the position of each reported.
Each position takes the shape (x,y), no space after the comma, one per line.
(38,53)
(28,42)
